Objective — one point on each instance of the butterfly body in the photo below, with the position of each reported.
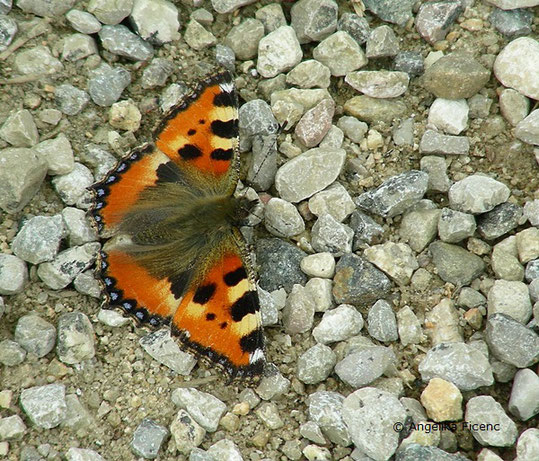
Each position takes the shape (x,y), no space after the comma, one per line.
(175,255)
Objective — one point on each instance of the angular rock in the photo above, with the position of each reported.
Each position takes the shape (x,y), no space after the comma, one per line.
(379,84)
(20,130)
(279,51)
(434,19)
(433,142)
(313,20)
(382,43)
(316,364)
(75,338)
(119,40)
(205,409)
(361,368)
(454,264)
(147,439)
(325,409)
(381,322)
(502,431)
(340,53)
(477,194)
(524,400)
(44,405)
(13,274)
(35,335)
(155,20)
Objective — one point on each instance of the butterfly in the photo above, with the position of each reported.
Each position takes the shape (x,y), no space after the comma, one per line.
(174,254)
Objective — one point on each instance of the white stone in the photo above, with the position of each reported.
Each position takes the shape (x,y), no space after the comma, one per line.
(335,200)
(319,265)
(281,218)
(449,116)
(527,129)
(279,51)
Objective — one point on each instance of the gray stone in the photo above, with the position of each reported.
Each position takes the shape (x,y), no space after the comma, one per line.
(83,22)
(12,428)
(5,6)
(455,76)
(224,56)
(269,415)
(454,264)
(197,37)
(298,313)
(366,230)
(338,324)
(205,409)
(83,454)
(419,228)
(434,19)
(373,110)
(11,354)
(319,265)
(354,129)
(289,105)
(381,322)
(157,73)
(410,62)
(320,291)
(106,84)
(328,234)
(58,154)
(75,338)
(485,408)
(186,432)
(459,363)
(514,106)
(39,239)
(356,26)
(505,265)
(524,400)
(77,416)
(78,228)
(316,364)
(315,123)
(147,439)
(395,195)
(333,139)
(325,409)
(314,20)
(73,187)
(512,23)
(511,342)
(477,194)
(165,350)
(531,211)
(409,327)
(225,449)
(395,259)
(279,51)
(335,201)
(455,226)
(8,30)
(13,274)
(512,4)
(101,160)
(69,99)
(528,445)
(309,74)
(378,83)
(416,452)
(119,40)
(44,405)
(390,11)
(281,218)
(361,368)
(228,6)
(244,38)
(78,46)
(499,221)
(37,60)
(433,142)
(479,106)
(273,385)
(516,66)
(340,53)
(255,119)
(532,270)
(528,244)
(110,12)
(35,335)
(382,43)
(20,130)
(371,415)
(527,129)
(358,282)
(272,16)
(156,20)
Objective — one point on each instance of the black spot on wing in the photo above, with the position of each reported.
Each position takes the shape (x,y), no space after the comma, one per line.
(247,304)
(228,129)
(192,132)
(235,277)
(223,325)
(178,283)
(189,152)
(222,154)
(204,293)
(252,341)
(225,100)
(168,172)
(210,316)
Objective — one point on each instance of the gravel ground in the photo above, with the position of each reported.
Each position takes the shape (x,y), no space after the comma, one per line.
(401,218)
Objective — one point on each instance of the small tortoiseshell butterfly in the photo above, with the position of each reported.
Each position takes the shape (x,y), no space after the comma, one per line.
(174,254)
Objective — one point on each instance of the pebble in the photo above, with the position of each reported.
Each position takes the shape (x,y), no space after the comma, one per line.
(255,120)
(243,39)
(107,83)
(327,234)
(279,264)
(271,16)
(298,313)
(371,415)
(197,37)
(419,228)
(309,74)
(513,106)
(361,368)
(157,73)
(311,431)
(13,275)
(511,298)
(45,406)
(484,409)
(505,265)
(335,200)
(315,123)
(35,335)
(340,53)
(443,323)
(78,228)
(461,364)
(98,158)
(516,66)
(269,415)
(50,116)
(119,40)
(12,428)
(532,270)
(433,142)
(75,338)
(333,139)
(148,438)
(20,177)
(528,244)
(528,445)
(442,400)
(11,354)
(8,30)
(338,324)
(410,62)
(125,115)
(416,452)
(77,416)
(316,364)
(279,51)
(356,26)
(319,265)
(5,6)
(205,409)
(83,22)
(524,400)
(83,454)
(228,6)
(358,282)
(325,409)
(155,20)
(58,154)
(161,347)
(73,187)
(308,173)
(477,194)
(379,84)
(110,13)
(320,291)
(20,130)
(289,105)
(527,130)
(512,23)
(382,43)
(409,327)
(226,449)
(37,60)
(499,221)
(314,20)
(78,46)
(455,226)
(395,259)
(381,322)
(531,211)
(512,342)
(273,385)
(186,432)
(39,239)
(450,116)
(454,264)
(69,99)
(366,230)
(455,76)
(282,219)
(434,19)
(395,195)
